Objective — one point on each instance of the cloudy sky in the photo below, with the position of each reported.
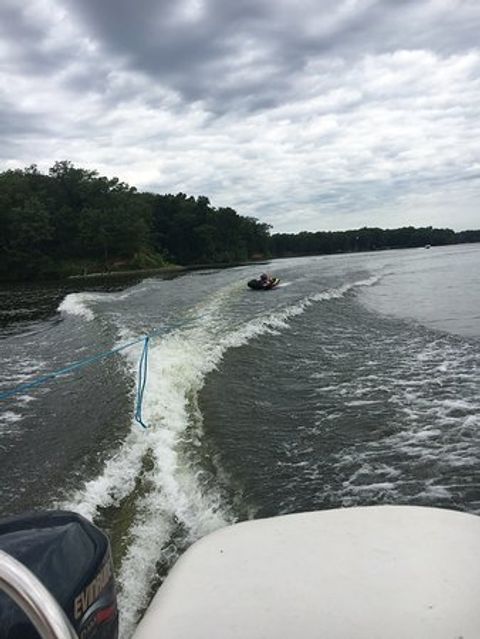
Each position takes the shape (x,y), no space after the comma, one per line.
(308,114)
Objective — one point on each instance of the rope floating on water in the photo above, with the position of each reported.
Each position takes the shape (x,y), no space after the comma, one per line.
(142,380)
(142,369)
(142,374)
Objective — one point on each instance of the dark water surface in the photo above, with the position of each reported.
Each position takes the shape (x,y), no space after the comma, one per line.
(355,382)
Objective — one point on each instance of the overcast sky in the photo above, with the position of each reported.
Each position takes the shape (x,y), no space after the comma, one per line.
(307,114)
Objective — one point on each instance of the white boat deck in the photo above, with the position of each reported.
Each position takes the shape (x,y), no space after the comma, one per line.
(383,572)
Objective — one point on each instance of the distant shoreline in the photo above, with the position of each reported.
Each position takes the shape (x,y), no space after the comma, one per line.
(128,273)
(176,269)
(164,270)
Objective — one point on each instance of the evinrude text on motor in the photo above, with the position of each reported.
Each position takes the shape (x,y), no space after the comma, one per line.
(71,559)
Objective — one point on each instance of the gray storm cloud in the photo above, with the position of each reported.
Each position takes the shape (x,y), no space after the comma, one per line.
(221,51)
(306,114)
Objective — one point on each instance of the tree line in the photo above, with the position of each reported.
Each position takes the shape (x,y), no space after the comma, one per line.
(365,239)
(71,220)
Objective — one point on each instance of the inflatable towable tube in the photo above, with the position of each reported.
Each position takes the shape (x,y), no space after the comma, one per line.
(258,285)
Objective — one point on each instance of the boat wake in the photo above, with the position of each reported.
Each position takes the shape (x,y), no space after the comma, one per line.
(156,480)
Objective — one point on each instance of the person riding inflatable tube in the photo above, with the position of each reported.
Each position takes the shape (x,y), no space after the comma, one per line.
(263,283)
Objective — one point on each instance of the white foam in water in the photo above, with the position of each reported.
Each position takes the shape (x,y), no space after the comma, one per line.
(117,480)
(8,421)
(178,365)
(10,417)
(76,304)
(433,424)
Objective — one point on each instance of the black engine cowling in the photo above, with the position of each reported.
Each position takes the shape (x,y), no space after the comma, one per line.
(71,557)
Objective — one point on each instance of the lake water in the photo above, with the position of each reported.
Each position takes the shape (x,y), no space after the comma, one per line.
(355,382)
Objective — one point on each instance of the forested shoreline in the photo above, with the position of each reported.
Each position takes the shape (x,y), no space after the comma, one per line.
(73,221)
(365,239)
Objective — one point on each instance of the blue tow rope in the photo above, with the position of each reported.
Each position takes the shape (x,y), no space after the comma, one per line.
(142,380)
(142,375)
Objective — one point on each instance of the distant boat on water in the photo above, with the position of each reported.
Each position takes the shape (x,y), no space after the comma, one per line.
(427,246)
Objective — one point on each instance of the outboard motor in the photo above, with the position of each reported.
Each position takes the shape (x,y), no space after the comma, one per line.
(71,557)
